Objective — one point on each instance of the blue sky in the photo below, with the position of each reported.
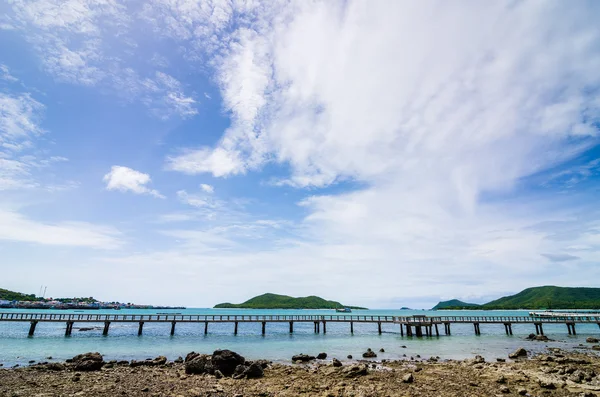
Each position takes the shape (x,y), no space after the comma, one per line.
(376,153)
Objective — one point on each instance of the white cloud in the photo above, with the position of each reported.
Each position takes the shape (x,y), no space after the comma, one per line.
(90,43)
(126,179)
(220,162)
(16,227)
(207,188)
(5,74)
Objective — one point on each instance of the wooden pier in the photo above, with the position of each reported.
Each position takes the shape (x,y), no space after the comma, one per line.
(419,326)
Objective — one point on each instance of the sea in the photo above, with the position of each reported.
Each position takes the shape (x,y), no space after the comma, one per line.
(123,343)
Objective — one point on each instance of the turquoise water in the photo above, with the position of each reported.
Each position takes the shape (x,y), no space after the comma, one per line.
(278,344)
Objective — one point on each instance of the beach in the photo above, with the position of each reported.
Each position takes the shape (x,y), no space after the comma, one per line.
(557,373)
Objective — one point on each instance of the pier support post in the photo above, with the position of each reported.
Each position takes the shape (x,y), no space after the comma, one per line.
(106,326)
(32,327)
(173,328)
(291,327)
(324,327)
(140,328)
(541,329)
(408,330)
(205,327)
(264,326)
(437,331)
(235,328)
(419,330)
(352,327)
(69,328)
(401,330)
(477,330)
(427,330)
(447,328)
(379,327)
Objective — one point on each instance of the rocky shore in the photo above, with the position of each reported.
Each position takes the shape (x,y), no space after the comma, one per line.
(226,373)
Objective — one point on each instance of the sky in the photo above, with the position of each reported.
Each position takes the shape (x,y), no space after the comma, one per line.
(378,153)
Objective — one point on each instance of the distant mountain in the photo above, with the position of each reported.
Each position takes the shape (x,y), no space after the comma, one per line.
(536,298)
(549,297)
(454,304)
(7,295)
(274,301)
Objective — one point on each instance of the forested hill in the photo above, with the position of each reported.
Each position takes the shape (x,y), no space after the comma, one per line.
(274,301)
(549,297)
(454,304)
(538,298)
(16,296)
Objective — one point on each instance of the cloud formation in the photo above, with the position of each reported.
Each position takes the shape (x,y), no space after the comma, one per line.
(126,179)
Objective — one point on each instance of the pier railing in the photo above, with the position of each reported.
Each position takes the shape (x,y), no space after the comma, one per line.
(419,323)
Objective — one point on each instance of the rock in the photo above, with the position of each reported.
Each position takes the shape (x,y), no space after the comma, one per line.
(55,367)
(49,358)
(255,370)
(349,357)
(302,357)
(592,340)
(504,390)
(353,371)
(403,346)
(478,359)
(501,379)
(190,356)
(501,360)
(160,360)
(408,378)
(381,350)
(199,364)
(178,360)
(263,363)
(321,356)
(522,392)
(531,336)
(87,362)
(542,338)
(369,354)
(84,329)
(31,361)
(520,352)
(336,363)
(146,389)
(596,347)
(226,361)
(218,374)
(546,384)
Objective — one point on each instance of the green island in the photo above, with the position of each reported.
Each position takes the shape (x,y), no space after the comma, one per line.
(535,298)
(274,301)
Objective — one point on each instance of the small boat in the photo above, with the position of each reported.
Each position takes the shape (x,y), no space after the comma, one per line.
(344,310)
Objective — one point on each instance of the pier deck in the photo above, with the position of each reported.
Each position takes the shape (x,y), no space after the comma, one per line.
(406,323)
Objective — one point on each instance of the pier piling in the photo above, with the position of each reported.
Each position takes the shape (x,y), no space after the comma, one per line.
(379,327)
(140,328)
(419,330)
(352,327)
(205,327)
(437,332)
(69,328)
(401,330)
(264,326)
(477,330)
(106,326)
(291,327)
(235,328)
(173,328)
(32,326)
(324,327)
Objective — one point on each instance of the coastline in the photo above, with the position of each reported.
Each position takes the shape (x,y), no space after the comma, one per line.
(556,373)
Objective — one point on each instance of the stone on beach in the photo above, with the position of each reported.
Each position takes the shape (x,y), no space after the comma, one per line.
(199,364)
(592,340)
(336,363)
(353,371)
(302,357)
(321,356)
(87,362)
(369,354)
(520,352)
(226,361)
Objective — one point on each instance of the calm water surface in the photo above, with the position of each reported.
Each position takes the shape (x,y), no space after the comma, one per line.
(278,345)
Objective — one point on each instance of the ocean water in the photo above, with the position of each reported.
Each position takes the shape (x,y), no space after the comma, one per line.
(278,344)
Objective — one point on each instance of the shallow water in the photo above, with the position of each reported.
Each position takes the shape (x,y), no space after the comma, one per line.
(278,344)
